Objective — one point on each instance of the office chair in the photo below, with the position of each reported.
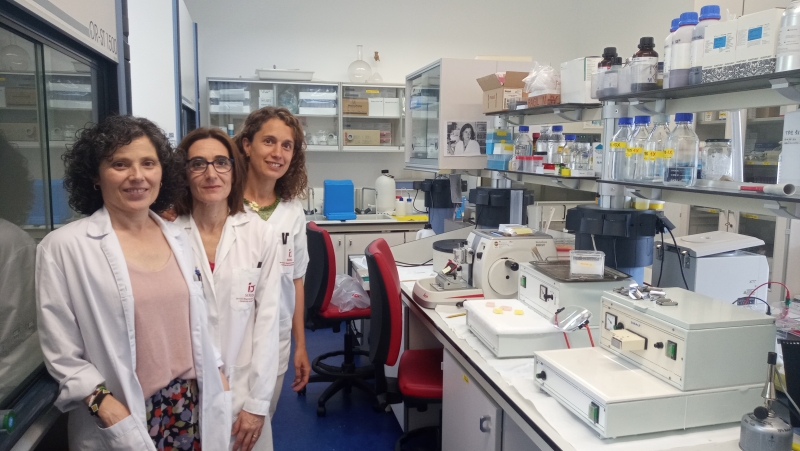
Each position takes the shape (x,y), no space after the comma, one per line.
(419,374)
(320,313)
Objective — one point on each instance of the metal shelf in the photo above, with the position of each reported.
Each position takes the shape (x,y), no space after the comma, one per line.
(570,112)
(575,183)
(372,149)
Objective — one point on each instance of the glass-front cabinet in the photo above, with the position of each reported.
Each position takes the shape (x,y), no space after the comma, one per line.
(335,116)
(423,123)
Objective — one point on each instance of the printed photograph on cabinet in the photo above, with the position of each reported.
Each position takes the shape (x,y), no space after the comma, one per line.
(466,139)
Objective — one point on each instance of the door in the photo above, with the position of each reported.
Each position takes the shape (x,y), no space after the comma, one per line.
(471,421)
(357,242)
(338,240)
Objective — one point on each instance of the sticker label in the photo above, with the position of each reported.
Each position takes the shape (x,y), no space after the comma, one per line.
(754,33)
(619,145)
(243,291)
(669,153)
(720,42)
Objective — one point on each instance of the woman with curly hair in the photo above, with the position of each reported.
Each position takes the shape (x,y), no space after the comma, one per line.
(237,255)
(122,319)
(273,144)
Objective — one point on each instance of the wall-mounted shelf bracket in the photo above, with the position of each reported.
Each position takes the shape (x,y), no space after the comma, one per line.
(569,115)
(567,183)
(787,87)
(660,106)
(789,210)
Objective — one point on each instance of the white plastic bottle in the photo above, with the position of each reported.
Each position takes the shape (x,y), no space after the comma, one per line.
(668,51)
(681,153)
(709,14)
(788,55)
(399,206)
(386,193)
(681,51)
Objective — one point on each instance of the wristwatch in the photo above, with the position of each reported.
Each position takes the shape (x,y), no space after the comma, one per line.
(97,398)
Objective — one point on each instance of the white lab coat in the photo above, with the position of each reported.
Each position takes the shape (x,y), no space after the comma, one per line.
(243,305)
(86,327)
(289,222)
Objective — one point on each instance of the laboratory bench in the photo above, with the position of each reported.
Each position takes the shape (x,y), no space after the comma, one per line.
(476,395)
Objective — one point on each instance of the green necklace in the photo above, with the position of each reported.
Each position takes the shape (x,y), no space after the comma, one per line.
(263,212)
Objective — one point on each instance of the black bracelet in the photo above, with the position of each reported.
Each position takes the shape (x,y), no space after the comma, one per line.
(97,399)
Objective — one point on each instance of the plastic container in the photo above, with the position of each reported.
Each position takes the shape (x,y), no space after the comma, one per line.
(587,263)
(635,166)
(655,145)
(709,14)
(387,191)
(641,204)
(522,144)
(681,153)
(681,50)
(498,162)
(609,81)
(338,200)
(569,150)
(644,66)
(788,54)
(657,204)
(537,163)
(400,206)
(614,157)
(425,232)
(555,144)
(668,52)
(717,162)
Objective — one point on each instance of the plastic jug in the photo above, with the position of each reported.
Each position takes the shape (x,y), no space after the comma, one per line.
(386,196)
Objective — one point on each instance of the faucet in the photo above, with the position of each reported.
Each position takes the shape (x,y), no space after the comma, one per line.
(310,201)
(362,196)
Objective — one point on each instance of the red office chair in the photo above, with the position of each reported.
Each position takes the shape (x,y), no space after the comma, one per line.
(320,313)
(419,375)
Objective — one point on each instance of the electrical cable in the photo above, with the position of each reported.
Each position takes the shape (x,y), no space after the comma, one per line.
(680,258)
(769,310)
(590,334)
(414,204)
(786,392)
(788,295)
(663,257)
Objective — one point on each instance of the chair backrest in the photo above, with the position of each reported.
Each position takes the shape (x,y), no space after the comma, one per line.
(320,276)
(386,321)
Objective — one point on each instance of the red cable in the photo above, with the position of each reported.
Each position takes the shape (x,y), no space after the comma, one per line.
(590,335)
(788,294)
(567,340)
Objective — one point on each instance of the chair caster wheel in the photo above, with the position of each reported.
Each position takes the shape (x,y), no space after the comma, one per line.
(301,392)
(321,411)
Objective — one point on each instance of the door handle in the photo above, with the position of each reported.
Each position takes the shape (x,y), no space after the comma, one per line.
(351,242)
(340,242)
(484,427)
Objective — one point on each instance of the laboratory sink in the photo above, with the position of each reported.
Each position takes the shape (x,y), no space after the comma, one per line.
(359,218)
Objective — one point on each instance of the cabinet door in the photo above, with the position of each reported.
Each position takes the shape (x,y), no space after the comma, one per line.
(357,243)
(338,240)
(471,421)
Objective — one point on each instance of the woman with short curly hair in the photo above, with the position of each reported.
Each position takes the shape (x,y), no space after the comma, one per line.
(122,319)
(273,144)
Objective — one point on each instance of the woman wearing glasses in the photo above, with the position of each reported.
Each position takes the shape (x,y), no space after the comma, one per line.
(236,258)
(122,320)
(274,147)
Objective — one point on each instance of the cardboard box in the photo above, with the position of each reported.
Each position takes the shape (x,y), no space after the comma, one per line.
(20,131)
(375,106)
(773,111)
(497,94)
(757,42)
(391,107)
(719,54)
(576,79)
(544,99)
(21,96)
(355,106)
(362,137)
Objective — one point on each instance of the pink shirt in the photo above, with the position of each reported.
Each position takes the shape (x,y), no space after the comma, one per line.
(161,321)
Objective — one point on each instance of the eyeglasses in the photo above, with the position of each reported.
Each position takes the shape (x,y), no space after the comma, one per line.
(200,164)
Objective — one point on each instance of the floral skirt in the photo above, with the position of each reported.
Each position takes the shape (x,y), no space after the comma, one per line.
(172,417)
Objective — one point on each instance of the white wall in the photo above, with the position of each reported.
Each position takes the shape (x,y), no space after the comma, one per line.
(153,62)
(238,36)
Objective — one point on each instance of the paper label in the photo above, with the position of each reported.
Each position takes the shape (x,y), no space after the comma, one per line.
(373,91)
(661,154)
(243,291)
(644,70)
(669,153)
(720,42)
(755,33)
(650,155)
(698,49)
(619,145)
(789,43)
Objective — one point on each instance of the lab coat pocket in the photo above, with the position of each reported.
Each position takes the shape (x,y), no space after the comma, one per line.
(125,435)
(243,290)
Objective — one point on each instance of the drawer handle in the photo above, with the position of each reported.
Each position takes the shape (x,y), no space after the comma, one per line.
(340,241)
(485,419)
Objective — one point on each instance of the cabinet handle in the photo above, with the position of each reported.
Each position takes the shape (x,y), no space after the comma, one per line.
(485,419)
(351,242)
(340,242)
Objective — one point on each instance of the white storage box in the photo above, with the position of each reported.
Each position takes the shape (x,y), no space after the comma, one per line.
(376,106)
(317,95)
(317,111)
(391,107)
(757,42)
(509,334)
(576,80)
(720,51)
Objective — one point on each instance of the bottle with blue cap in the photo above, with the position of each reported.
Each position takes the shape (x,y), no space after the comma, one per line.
(680,153)
(668,51)
(656,143)
(681,49)
(556,144)
(788,53)
(635,167)
(709,14)
(522,145)
(614,158)
(569,150)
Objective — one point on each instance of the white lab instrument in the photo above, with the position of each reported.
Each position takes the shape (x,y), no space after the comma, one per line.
(616,398)
(546,287)
(713,264)
(510,329)
(693,342)
(761,429)
(485,267)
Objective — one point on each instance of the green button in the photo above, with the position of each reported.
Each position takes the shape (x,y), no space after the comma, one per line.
(594,412)
(522,281)
(671,350)
(7,420)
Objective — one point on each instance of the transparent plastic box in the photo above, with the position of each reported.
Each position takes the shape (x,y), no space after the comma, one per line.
(587,264)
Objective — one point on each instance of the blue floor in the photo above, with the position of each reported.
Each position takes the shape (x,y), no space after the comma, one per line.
(350,423)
